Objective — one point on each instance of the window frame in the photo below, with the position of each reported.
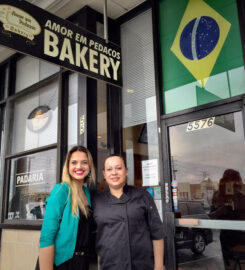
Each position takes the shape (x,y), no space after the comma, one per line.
(236,104)
(61,77)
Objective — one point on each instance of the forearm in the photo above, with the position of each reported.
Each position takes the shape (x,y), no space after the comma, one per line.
(158,249)
(98,263)
(46,258)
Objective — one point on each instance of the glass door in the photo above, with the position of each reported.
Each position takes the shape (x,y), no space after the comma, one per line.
(208,192)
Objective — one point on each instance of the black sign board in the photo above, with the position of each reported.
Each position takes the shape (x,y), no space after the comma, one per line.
(31,30)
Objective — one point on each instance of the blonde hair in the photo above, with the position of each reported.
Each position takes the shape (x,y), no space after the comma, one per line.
(77,195)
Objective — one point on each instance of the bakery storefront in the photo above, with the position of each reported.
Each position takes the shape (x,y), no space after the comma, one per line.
(62,85)
(165,88)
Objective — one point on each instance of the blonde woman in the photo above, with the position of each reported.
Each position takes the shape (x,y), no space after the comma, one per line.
(65,240)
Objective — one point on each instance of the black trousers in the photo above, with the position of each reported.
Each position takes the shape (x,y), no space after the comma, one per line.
(75,263)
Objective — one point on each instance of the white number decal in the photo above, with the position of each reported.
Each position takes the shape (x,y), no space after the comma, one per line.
(200,124)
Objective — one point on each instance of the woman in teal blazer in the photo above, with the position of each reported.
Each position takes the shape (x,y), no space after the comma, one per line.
(65,241)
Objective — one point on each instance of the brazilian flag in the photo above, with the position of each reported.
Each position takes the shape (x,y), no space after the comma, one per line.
(200,39)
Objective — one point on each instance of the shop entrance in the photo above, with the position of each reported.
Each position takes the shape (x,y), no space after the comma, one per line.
(207,157)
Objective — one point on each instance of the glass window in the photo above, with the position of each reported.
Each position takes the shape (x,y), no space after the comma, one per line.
(34,119)
(46,69)
(138,70)
(202,150)
(30,70)
(73,122)
(3,82)
(102,148)
(202,56)
(100,29)
(1,145)
(73,110)
(140,134)
(31,179)
(208,187)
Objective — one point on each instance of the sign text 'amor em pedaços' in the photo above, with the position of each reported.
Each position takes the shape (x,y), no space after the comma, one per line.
(31,30)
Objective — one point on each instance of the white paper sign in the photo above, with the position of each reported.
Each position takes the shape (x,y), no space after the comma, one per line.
(150,172)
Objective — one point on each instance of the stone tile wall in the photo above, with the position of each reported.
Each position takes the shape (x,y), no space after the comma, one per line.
(19,249)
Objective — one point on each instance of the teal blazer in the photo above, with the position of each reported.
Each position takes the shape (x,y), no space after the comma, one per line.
(59,225)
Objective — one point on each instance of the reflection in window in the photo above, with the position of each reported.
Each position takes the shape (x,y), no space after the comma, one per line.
(140,136)
(140,144)
(3,82)
(35,119)
(102,148)
(220,86)
(73,110)
(201,156)
(100,29)
(207,160)
(30,70)
(31,179)
(1,145)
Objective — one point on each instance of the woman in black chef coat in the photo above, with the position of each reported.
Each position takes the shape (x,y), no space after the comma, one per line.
(129,229)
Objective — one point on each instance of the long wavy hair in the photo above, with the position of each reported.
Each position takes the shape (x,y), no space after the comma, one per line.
(78,198)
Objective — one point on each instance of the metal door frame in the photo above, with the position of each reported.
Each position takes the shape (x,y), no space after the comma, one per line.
(218,108)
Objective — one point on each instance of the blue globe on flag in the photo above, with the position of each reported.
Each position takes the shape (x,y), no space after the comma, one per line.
(199,38)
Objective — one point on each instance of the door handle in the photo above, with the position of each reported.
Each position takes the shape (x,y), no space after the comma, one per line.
(188,221)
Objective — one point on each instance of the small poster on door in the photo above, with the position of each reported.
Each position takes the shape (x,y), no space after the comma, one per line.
(157,193)
(150,172)
(159,207)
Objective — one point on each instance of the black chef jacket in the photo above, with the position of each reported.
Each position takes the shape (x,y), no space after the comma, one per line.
(126,228)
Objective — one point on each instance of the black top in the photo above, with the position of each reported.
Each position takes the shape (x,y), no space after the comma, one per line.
(126,228)
(84,233)
(85,242)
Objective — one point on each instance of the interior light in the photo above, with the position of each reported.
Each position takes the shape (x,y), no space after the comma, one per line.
(130,91)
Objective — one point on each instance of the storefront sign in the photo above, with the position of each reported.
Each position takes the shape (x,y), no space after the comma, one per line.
(31,30)
(29,178)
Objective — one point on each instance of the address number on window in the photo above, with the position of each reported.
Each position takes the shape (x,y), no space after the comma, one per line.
(200,124)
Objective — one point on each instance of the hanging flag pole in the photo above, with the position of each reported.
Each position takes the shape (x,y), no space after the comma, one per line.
(105,22)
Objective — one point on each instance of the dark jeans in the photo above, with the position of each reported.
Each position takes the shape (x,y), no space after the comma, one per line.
(75,263)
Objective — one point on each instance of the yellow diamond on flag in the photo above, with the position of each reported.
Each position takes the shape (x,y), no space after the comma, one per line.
(200,38)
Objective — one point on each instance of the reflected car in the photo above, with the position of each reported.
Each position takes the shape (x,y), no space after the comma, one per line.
(195,239)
